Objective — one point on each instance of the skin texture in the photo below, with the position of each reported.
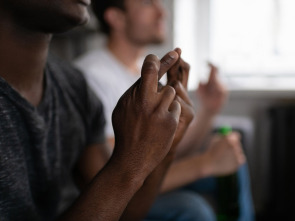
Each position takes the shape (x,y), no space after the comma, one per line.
(110,185)
(127,41)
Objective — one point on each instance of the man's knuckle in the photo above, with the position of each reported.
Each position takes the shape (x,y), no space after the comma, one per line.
(169,90)
(166,61)
(150,66)
(171,123)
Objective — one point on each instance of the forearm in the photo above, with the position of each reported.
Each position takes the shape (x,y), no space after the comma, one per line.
(106,197)
(144,198)
(196,134)
(186,171)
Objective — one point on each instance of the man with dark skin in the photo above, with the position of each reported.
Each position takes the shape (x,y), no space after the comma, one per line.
(149,121)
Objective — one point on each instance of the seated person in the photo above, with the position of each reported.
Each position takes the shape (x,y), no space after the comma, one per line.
(130,26)
(55,163)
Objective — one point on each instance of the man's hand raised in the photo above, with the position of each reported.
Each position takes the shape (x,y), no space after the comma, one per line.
(146,118)
(213,93)
(178,79)
(225,155)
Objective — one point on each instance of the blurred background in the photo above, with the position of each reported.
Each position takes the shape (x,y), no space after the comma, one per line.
(252,43)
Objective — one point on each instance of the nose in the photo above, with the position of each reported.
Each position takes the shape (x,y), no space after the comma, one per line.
(160,8)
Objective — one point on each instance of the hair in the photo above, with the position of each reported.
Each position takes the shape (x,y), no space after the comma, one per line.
(99,8)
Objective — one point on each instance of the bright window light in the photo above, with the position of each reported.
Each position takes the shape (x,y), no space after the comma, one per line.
(252,41)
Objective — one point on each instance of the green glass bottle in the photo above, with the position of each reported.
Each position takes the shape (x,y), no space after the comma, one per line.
(228,191)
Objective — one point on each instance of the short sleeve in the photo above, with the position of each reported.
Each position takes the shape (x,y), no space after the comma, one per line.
(95,119)
(72,82)
(107,96)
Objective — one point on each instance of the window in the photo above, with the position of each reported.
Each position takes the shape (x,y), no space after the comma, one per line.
(251,41)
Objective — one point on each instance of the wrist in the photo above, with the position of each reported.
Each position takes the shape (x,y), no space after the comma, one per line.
(207,112)
(133,174)
(205,166)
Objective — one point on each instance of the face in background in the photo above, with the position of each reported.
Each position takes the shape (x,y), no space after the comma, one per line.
(49,16)
(145,21)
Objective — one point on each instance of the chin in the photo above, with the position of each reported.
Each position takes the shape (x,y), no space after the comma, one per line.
(65,22)
(76,21)
(73,20)
(159,39)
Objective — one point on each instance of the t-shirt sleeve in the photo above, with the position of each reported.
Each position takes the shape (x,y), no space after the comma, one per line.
(103,90)
(95,118)
(89,106)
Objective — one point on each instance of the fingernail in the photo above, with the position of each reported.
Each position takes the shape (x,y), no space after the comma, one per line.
(171,55)
(178,50)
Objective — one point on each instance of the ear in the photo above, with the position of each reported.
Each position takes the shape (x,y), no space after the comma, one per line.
(115,17)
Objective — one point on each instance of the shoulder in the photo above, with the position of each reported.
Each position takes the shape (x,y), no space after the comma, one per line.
(97,63)
(61,68)
(70,82)
(92,59)
(99,69)
(65,75)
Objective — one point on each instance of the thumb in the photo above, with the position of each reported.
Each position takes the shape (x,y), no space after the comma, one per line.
(149,74)
(175,109)
(201,87)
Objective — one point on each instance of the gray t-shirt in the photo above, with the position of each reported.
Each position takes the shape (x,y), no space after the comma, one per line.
(40,146)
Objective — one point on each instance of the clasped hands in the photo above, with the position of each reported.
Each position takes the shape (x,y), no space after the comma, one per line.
(150,119)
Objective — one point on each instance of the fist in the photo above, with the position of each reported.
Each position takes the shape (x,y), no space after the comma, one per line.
(212,94)
(225,154)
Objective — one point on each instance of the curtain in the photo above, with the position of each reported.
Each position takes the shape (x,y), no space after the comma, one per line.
(282,163)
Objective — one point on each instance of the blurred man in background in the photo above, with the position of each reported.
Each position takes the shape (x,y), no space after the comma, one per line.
(131,26)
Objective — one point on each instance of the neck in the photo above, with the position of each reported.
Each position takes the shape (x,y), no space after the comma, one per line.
(126,52)
(23,55)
